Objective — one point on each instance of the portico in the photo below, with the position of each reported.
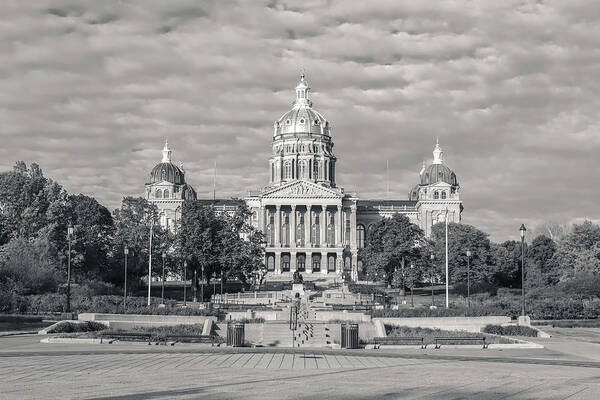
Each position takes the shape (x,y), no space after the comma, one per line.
(307,227)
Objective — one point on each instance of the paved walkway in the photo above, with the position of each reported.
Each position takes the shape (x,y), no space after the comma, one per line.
(30,370)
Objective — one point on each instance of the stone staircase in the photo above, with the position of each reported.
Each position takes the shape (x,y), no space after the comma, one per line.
(309,332)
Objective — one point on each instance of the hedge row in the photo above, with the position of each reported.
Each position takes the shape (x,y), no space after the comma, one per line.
(510,330)
(548,308)
(55,303)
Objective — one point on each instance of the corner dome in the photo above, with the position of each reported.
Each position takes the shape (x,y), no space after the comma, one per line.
(166,170)
(438,171)
(302,118)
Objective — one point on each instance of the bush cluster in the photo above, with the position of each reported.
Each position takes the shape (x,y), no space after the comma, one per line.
(537,308)
(70,327)
(429,334)
(55,303)
(510,330)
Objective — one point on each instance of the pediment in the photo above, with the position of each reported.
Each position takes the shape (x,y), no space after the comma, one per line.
(302,190)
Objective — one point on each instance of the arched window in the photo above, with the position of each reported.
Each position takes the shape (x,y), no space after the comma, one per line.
(302,169)
(316,174)
(443,195)
(158,194)
(436,195)
(360,236)
(285,262)
(166,194)
(316,262)
(301,262)
(287,170)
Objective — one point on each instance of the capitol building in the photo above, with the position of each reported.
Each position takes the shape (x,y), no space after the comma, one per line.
(310,224)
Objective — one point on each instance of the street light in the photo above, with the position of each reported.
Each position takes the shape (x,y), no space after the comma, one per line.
(194,285)
(162,294)
(126,251)
(412,284)
(184,283)
(468,279)
(202,283)
(432,258)
(69,235)
(522,229)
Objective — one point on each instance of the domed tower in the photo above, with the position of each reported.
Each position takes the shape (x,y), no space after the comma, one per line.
(438,193)
(302,145)
(167,189)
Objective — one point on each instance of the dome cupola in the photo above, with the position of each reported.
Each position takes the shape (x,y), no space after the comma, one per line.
(166,170)
(302,118)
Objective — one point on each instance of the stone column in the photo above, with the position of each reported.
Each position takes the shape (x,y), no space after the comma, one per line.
(353,244)
(293,227)
(324,262)
(307,227)
(339,262)
(278,262)
(277,226)
(340,227)
(323,225)
(293,264)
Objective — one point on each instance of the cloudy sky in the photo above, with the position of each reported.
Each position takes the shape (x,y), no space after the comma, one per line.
(90,90)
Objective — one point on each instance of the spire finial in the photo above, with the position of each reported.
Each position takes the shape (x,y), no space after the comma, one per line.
(302,92)
(166,158)
(438,153)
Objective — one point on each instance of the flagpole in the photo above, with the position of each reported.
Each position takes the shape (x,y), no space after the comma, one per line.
(446,219)
(150,257)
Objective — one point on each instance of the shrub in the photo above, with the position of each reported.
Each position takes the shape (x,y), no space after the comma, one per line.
(70,327)
(429,334)
(510,330)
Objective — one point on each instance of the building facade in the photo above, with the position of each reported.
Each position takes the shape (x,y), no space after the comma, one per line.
(310,224)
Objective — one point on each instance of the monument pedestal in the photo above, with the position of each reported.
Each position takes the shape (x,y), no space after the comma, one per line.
(297,288)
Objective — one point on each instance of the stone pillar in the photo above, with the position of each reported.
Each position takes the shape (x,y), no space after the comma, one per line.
(307,227)
(323,225)
(293,264)
(278,262)
(293,227)
(340,227)
(353,244)
(277,226)
(339,262)
(324,262)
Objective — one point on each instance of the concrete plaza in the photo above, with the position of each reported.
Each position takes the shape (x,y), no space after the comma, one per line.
(31,370)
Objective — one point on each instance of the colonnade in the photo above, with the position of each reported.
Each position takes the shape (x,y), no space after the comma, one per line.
(309,237)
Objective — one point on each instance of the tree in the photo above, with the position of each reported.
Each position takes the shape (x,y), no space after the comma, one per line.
(506,261)
(221,244)
(133,222)
(394,245)
(539,269)
(462,237)
(578,252)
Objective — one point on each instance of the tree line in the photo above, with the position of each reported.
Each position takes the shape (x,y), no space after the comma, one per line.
(35,213)
(398,253)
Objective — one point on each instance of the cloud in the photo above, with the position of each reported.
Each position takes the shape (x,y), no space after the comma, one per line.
(89,90)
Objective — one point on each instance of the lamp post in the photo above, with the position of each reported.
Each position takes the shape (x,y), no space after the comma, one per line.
(194,285)
(432,258)
(468,279)
(202,283)
(184,283)
(162,292)
(522,229)
(412,284)
(126,251)
(69,235)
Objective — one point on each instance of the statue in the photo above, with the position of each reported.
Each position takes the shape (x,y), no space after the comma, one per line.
(297,277)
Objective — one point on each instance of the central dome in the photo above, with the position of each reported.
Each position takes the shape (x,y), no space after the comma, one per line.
(302,118)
